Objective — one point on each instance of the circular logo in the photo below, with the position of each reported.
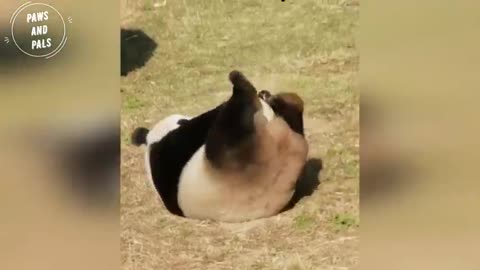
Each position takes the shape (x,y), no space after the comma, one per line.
(38,30)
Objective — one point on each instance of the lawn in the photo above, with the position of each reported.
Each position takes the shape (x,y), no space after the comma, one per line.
(305,46)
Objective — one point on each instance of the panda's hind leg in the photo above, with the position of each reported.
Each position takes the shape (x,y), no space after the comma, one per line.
(231,140)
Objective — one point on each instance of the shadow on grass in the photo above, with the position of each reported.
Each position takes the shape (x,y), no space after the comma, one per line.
(307,182)
(136,49)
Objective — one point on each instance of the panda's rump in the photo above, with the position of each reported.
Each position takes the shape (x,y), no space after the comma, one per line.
(261,189)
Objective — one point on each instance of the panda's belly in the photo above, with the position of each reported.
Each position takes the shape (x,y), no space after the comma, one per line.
(205,193)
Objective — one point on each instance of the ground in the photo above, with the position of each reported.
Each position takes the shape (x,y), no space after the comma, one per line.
(303,46)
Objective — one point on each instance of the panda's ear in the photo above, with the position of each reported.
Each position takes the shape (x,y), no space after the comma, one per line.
(182,122)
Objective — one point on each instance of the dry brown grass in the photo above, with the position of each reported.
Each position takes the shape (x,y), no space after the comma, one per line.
(302,46)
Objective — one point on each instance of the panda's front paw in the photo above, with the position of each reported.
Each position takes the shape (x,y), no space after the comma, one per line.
(264,94)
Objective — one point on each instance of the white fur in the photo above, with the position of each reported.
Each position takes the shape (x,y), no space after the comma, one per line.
(163,127)
(207,193)
(267,111)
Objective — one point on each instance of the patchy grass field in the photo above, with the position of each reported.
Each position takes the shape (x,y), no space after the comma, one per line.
(302,46)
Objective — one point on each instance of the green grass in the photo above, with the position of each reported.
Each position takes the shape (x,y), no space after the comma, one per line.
(133,103)
(305,46)
(345,221)
(303,222)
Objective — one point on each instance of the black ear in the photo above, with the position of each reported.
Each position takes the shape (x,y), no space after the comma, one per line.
(139,136)
(182,122)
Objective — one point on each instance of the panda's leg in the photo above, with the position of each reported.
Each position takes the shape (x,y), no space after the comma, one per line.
(289,106)
(231,138)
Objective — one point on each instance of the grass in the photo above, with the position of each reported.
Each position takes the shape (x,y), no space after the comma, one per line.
(303,222)
(345,221)
(133,103)
(306,46)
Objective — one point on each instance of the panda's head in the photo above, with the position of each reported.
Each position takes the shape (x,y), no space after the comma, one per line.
(144,136)
(287,105)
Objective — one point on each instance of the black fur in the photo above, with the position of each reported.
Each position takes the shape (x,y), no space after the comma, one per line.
(227,132)
(169,156)
(139,136)
(291,113)
(182,121)
(231,137)
(307,182)
(241,86)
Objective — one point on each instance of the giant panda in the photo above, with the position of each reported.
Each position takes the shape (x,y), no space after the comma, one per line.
(239,161)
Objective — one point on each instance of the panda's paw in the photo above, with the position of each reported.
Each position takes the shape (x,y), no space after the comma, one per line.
(236,76)
(264,95)
(241,85)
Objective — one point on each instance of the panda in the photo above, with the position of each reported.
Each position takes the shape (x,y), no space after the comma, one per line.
(143,136)
(236,162)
